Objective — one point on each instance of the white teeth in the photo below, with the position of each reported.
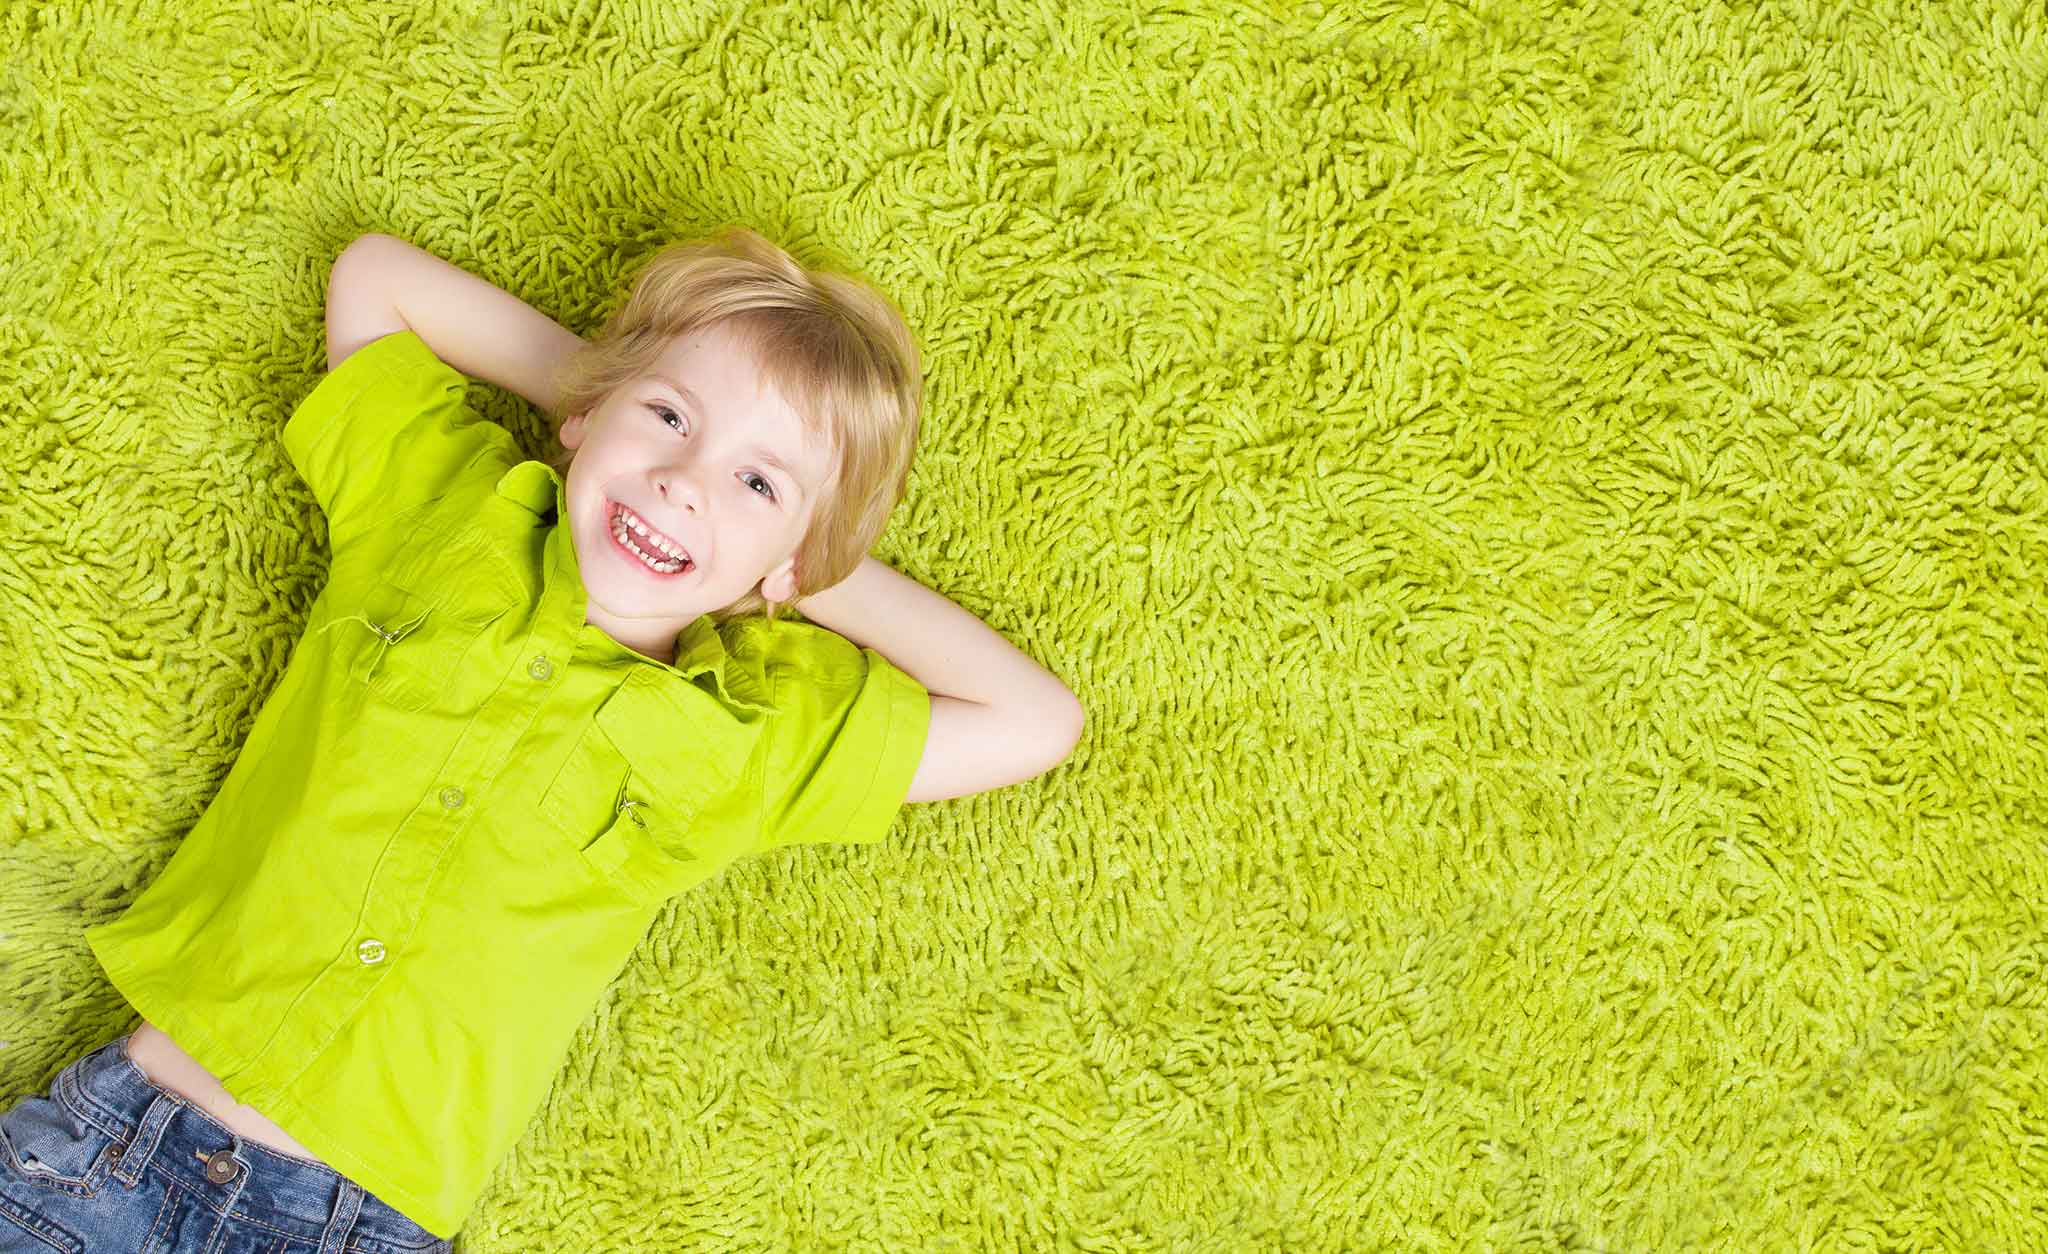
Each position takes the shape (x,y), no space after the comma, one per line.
(625,536)
(639,528)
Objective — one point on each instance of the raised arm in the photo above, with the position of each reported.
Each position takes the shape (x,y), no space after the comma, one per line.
(997,716)
(381,284)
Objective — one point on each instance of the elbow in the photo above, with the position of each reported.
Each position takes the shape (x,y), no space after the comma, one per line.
(365,243)
(1049,733)
(369,240)
(1044,733)
(1070,720)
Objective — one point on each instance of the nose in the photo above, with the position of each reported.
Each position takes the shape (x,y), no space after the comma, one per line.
(679,488)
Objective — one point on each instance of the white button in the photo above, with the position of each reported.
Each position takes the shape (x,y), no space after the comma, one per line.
(371,952)
(452,798)
(540,667)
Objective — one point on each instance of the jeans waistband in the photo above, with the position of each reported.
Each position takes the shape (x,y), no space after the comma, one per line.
(158,1128)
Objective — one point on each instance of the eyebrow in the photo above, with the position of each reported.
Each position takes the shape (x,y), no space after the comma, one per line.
(767,454)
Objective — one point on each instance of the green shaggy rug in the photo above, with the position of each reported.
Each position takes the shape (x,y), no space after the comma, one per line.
(1544,505)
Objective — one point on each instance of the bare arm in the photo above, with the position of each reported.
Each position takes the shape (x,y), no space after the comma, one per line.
(381,284)
(997,716)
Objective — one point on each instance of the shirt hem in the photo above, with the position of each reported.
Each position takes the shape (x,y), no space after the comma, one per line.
(345,1160)
(208,1051)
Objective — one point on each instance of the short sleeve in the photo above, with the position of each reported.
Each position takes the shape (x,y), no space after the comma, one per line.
(844,741)
(387,429)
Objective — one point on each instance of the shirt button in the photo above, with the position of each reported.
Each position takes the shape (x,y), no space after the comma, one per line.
(371,952)
(540,667)
(452,798)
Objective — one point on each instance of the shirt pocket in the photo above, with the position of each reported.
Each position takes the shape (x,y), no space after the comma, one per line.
(631,795)
(601,806)
(403,646)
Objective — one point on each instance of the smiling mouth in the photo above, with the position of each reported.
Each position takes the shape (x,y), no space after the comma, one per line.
(652,554)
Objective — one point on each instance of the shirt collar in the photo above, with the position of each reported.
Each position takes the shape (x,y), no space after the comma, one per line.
(700,647)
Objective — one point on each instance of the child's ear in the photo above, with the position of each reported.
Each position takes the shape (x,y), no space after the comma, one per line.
(572,430)
(780,584)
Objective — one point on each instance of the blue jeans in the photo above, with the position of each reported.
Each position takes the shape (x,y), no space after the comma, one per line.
(111,1162)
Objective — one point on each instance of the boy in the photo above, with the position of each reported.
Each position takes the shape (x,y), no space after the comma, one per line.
(533,702)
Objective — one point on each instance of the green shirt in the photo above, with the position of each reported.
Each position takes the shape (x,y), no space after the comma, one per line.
(461,807)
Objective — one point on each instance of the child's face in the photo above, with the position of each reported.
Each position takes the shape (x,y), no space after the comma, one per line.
(698,466)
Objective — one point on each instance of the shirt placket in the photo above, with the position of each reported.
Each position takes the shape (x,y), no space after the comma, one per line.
(395,897)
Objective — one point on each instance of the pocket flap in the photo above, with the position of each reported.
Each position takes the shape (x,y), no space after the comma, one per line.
(628,853)
(684,745)
(384,614)
(406,644)
(393,612)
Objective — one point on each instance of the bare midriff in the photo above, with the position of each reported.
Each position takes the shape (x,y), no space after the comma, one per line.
(170,1067)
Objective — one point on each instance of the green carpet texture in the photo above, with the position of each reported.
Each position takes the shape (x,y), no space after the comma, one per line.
(1545,506)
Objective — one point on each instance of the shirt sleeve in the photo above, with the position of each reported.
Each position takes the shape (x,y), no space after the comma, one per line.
(844,741)
(387,429)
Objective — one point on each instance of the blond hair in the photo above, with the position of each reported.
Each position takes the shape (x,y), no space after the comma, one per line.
(834,348)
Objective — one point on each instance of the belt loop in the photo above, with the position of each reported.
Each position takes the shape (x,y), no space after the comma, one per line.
(135,1155)
(348,1203)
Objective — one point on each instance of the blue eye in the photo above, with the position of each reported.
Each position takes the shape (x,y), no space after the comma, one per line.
(760,486)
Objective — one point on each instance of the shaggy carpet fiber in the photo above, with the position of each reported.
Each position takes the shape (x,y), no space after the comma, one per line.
(1544,505)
